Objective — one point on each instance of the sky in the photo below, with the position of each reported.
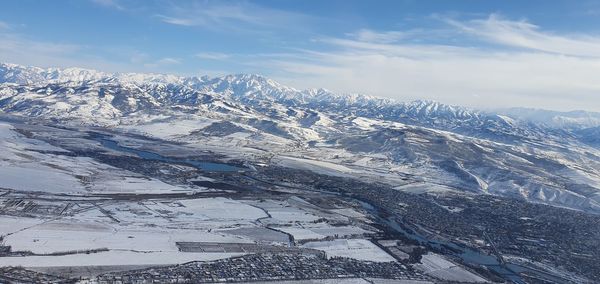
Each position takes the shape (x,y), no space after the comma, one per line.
(475,53)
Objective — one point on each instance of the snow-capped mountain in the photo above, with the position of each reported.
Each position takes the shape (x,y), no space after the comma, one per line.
(590,135)
(261,94)
(12,73)
(468,150)
(555,119)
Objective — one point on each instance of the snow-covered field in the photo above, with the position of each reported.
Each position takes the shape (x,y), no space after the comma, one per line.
(27,166)
(134,232)
(144,226)
(352,248)
(441,268)
(301,233)
(113,258)
(25,169)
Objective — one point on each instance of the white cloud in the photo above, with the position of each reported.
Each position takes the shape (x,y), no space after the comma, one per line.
(544,70)
(138,57)
(210,72)
(4,25)
(178,21)
(212,55)
(211,14)
(368,35)
(19,49)
(526,35)
(239,15)
(168,61)
(109,4)
(495,62)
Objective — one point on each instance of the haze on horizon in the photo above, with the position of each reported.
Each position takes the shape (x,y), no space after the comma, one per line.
(537,54)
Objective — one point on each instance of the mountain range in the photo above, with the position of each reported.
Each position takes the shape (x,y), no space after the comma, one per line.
(536,155)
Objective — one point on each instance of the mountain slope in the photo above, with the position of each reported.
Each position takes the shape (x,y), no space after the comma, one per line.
(555,119)
(380,139)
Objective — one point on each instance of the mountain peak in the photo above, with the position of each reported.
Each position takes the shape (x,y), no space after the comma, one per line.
(258,90)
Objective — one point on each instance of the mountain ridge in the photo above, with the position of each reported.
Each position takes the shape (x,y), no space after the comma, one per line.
(253,88)
(470,150)
(138,92)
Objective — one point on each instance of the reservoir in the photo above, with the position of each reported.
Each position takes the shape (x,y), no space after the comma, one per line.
(147,155)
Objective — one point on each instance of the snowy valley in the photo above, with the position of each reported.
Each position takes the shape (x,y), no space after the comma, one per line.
(140,170)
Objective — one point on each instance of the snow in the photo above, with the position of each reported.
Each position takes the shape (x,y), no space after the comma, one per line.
(365,123)
(24,169)
(322,167)
(301,233)
(439,267)
(222,208)
(113,258)
(423,187)
(134,184)
(349,212)
(340,231)
(290,214)
(170,128)
(37,179)
(10,224)
(149,229)
(76,235)
(6,132)
(169,113)
(359,249)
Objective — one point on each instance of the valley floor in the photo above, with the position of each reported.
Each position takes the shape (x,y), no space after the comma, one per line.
(106,206)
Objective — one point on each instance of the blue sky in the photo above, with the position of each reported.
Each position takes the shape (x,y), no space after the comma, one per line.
(488,54)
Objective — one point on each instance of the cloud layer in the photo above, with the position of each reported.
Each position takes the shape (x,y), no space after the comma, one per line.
(516,64)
